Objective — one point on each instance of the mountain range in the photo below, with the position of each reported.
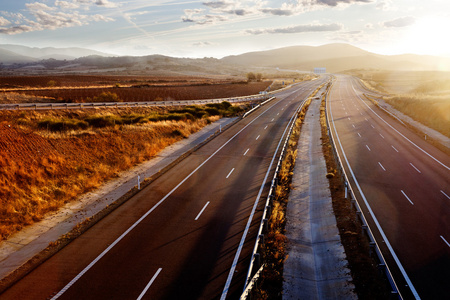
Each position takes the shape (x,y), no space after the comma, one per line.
(19,54)
(333,57)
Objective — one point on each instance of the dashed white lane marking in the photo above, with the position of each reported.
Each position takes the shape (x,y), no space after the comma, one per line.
(278,114)
(266,127)
(407,197)
(448,197)
(381,135)
(353,125)
(372,126)
(246,151)
(272,120)
(149,284)
(348,118)
(415,167)
(381,166)
(394,148)
(368,148)
(359,134)
(448,244)
(346,113)
(203,209)
(230,173)
(361,113)
(258,137)
(366,119)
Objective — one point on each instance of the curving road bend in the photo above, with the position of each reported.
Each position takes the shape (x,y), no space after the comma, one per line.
(188,235)
(403,186)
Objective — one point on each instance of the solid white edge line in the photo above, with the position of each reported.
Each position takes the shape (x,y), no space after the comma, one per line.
(415,167)
(448,244)
(149,284)
(230,173)
(428,154)
(448,197)
(244,235)
(72,282)
(203,209)
(383,235)
(407,197)
(381,166)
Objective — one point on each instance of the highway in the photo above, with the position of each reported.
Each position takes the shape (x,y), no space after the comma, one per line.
(403,186)
(189,234)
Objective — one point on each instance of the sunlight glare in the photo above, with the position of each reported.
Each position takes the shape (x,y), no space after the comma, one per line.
(429,36)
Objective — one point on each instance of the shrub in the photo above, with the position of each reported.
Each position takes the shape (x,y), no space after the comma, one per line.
(62,124)
(103,121)
(212,111)
(107,97)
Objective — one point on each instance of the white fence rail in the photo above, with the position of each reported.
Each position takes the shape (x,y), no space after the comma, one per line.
(46,106)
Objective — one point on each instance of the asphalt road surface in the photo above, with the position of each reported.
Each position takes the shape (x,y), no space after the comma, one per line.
(404,185)
(188,235)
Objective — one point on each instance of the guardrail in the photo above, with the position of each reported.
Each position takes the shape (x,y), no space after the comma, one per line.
(349,194)
(257,106)
(44,106)
(255,262)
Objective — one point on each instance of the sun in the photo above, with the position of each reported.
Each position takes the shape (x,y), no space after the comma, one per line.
(429,36)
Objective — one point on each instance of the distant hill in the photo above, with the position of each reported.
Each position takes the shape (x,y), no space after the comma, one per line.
(9,57)
(49,52)
(336,58)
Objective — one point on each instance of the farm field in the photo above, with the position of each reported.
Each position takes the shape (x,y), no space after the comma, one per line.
(119,88)
(49,158)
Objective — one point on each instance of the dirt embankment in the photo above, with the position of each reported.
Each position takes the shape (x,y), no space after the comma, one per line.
(49,158)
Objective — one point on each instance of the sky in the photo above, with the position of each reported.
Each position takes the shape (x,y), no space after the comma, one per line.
(188,28)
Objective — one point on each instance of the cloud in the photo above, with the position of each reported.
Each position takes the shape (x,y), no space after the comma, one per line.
(337,2)
(196,16)
(224,10)
(4,22)
(38,6)
(44,17)
(400,22)
(66,5)
(217,4)
(16,29)
(297,29)
(203,44)
(278,11)
(385,5)
(106,3)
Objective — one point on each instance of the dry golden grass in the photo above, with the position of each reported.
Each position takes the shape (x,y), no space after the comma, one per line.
(41,170)
(430,110)
(423,96)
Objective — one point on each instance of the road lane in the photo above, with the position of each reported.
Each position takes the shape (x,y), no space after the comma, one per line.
(155,232)
(404,198)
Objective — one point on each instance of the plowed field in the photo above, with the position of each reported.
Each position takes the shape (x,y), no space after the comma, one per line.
(40,170)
